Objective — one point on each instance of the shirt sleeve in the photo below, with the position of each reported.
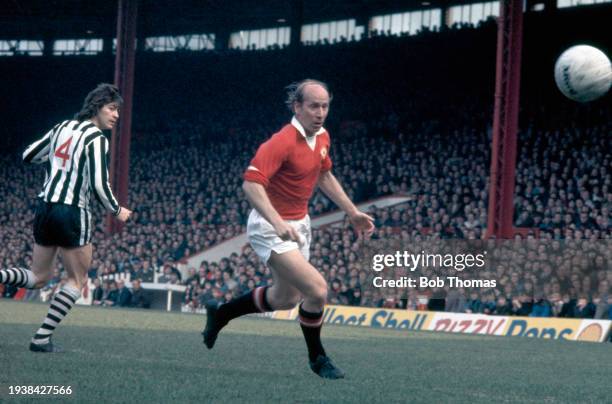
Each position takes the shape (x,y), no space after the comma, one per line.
(97,156)
(38,152)
(268,159)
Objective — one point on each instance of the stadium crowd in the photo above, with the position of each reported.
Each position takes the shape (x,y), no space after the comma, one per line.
(565,208)
(389,136)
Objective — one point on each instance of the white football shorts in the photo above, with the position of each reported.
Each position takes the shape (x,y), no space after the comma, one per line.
(264,240)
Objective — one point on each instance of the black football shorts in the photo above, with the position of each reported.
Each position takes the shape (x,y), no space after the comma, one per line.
(61,225)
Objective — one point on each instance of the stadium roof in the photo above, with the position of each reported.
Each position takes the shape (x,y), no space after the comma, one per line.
(40,19)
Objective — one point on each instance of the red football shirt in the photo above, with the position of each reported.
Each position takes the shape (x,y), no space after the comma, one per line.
(288,168)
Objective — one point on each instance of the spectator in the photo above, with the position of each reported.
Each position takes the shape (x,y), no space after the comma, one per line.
(474,304)
(140,298)
(112,297)
(541,307)
(455,301)
(522,305)
(98,293)
(168,276)
(502,307)
(584,308)
(125,296)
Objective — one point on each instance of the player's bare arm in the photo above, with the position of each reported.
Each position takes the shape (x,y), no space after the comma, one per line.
(257,197)
(363,223)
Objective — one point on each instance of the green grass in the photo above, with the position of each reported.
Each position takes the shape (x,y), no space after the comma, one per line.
(133,356)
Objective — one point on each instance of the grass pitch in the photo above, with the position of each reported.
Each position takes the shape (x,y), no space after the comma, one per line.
(115,355)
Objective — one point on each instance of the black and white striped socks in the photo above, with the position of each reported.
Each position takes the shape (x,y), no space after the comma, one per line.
(61,304)
(19,277)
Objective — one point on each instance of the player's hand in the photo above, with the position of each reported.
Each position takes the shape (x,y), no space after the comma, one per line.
(124,214)
(286,232)
(363,224)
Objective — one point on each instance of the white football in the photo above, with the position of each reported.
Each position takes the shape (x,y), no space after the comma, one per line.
(583,73)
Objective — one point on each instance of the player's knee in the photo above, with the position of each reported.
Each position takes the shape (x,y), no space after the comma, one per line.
(318,295)
(292,301)
(296,300)
(285,301)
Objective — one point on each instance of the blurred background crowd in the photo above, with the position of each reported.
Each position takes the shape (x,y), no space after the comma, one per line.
(400,128)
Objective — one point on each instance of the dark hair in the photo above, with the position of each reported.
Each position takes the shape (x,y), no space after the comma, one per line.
(295,91)
(100,96)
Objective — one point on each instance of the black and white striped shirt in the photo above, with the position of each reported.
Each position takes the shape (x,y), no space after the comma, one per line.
(76,154)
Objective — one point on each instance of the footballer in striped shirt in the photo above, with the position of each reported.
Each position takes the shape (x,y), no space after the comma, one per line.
(75,156)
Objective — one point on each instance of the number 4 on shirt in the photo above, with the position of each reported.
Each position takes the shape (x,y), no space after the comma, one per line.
(62,151)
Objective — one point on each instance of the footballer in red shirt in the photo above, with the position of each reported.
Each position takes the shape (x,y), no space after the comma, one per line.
(278,183)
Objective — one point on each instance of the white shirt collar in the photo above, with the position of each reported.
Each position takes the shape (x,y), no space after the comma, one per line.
(297,125)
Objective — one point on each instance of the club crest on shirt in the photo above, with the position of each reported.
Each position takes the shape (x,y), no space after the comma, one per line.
(323,152)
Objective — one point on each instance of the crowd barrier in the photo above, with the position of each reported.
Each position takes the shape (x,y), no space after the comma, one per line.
(480,324)
(162,296)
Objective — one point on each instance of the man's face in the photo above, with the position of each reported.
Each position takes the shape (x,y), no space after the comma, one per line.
(107,116)
(314,109)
